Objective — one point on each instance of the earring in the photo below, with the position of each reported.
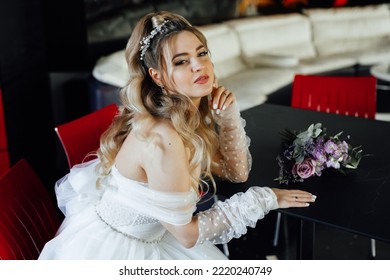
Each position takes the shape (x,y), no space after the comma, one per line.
(163,90)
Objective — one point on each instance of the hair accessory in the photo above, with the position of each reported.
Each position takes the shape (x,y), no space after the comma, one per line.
(145,42)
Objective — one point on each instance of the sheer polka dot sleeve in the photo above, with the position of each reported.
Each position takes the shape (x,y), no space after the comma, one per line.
(234,145)
(229,219)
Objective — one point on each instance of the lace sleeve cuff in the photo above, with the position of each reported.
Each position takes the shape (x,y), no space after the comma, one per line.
(229,219)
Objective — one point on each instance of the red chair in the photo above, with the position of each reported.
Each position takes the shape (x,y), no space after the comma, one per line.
(81,136)
(345,95)
(28,216)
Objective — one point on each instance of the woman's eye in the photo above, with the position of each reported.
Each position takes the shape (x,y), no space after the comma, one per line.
(204,53)
(180,62)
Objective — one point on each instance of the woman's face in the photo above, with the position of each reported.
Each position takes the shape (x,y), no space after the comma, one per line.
(189,66)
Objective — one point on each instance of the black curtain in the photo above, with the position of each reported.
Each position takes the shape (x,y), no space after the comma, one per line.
(25,83)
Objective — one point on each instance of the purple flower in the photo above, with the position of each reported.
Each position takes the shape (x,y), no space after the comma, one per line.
(330,147)
(304,169)
(319,156)
(343,147)
(333,163)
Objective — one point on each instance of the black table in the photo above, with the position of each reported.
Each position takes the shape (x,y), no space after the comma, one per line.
(358,202)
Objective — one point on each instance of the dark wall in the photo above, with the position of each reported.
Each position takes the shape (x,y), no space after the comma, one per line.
(66,35)
(25,83)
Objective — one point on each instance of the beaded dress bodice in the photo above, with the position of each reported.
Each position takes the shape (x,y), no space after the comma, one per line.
(132,209)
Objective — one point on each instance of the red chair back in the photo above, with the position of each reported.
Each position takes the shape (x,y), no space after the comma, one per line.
(28,216)
(81,136)
(345,95)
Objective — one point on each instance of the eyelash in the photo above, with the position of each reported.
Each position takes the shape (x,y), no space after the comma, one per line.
(181,62)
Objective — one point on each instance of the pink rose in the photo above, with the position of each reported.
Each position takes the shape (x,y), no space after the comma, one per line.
(304,169)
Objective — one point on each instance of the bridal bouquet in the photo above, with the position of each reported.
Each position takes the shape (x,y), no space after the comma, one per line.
(312,151)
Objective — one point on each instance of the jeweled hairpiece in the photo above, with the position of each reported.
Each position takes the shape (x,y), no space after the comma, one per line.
(145,42)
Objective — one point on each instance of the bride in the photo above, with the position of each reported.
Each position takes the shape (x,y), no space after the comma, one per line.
(176,129)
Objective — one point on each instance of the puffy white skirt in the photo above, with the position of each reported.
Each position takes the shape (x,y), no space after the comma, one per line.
(84,235)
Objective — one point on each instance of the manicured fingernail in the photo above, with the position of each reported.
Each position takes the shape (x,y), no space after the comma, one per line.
(314,197)
(218,111)
(307,204)
(224,107)
(215,106)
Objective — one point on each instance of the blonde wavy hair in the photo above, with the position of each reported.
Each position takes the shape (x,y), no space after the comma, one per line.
(142,101)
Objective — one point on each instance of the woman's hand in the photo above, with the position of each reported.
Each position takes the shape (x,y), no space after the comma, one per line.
(293,198)
(221,97)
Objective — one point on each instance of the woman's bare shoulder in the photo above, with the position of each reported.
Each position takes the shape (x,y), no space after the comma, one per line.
(167,166)
(163,134)
(146,154)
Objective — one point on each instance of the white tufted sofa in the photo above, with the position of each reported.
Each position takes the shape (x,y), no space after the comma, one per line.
(256,56)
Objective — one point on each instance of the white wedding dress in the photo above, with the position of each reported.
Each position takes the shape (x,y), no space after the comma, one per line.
(123,219)
(120,221)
